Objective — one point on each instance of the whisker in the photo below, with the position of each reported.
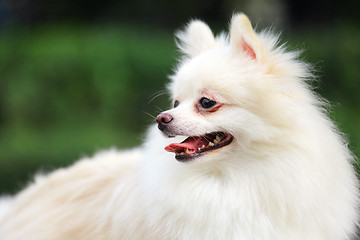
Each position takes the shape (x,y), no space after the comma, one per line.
(156,95)
(158,108)
(150,115)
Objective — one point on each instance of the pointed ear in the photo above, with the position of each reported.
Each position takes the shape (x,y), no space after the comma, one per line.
(195,39)
(244,39)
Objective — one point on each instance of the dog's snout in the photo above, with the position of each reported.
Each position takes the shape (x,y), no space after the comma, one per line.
(163,118)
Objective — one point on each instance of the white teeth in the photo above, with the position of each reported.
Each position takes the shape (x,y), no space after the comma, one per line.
(199,149)
(211,144)
(187,151)
(218,138)
(216,141)
(203,146)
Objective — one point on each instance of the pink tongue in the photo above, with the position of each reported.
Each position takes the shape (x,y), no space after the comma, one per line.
(190,143)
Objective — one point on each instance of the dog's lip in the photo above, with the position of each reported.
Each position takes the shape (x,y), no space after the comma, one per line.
(195,146)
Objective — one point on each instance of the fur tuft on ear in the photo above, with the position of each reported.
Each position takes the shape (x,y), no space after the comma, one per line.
(195,39)
(243,37)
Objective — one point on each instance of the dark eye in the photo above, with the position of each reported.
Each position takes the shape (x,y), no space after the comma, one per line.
(176,103)
(207,103)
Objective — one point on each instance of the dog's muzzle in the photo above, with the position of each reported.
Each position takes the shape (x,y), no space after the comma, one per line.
(163,120)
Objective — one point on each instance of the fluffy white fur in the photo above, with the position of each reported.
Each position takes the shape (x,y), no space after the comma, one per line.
(287,175)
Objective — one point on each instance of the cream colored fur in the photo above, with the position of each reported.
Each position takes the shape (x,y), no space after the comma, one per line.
(287,175)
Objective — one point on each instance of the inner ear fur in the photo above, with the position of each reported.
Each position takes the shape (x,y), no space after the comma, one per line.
(244,39)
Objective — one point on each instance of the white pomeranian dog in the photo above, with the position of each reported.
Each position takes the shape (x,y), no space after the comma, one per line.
(246,152)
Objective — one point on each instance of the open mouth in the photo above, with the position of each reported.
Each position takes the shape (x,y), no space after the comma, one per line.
(195,146)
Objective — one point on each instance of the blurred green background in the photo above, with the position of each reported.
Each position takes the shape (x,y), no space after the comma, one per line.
(79,76)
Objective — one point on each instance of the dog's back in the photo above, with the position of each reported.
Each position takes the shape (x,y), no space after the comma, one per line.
(79,202)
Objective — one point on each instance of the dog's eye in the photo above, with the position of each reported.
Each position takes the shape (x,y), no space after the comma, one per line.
(176,103)
(207,103)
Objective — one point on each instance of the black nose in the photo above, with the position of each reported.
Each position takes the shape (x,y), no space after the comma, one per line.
(163,119)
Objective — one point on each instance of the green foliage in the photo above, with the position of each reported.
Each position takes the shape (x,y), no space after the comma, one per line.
(54,75)
(335,53)
(69,91)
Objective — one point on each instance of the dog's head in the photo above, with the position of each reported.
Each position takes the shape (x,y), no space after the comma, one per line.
(228,90)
